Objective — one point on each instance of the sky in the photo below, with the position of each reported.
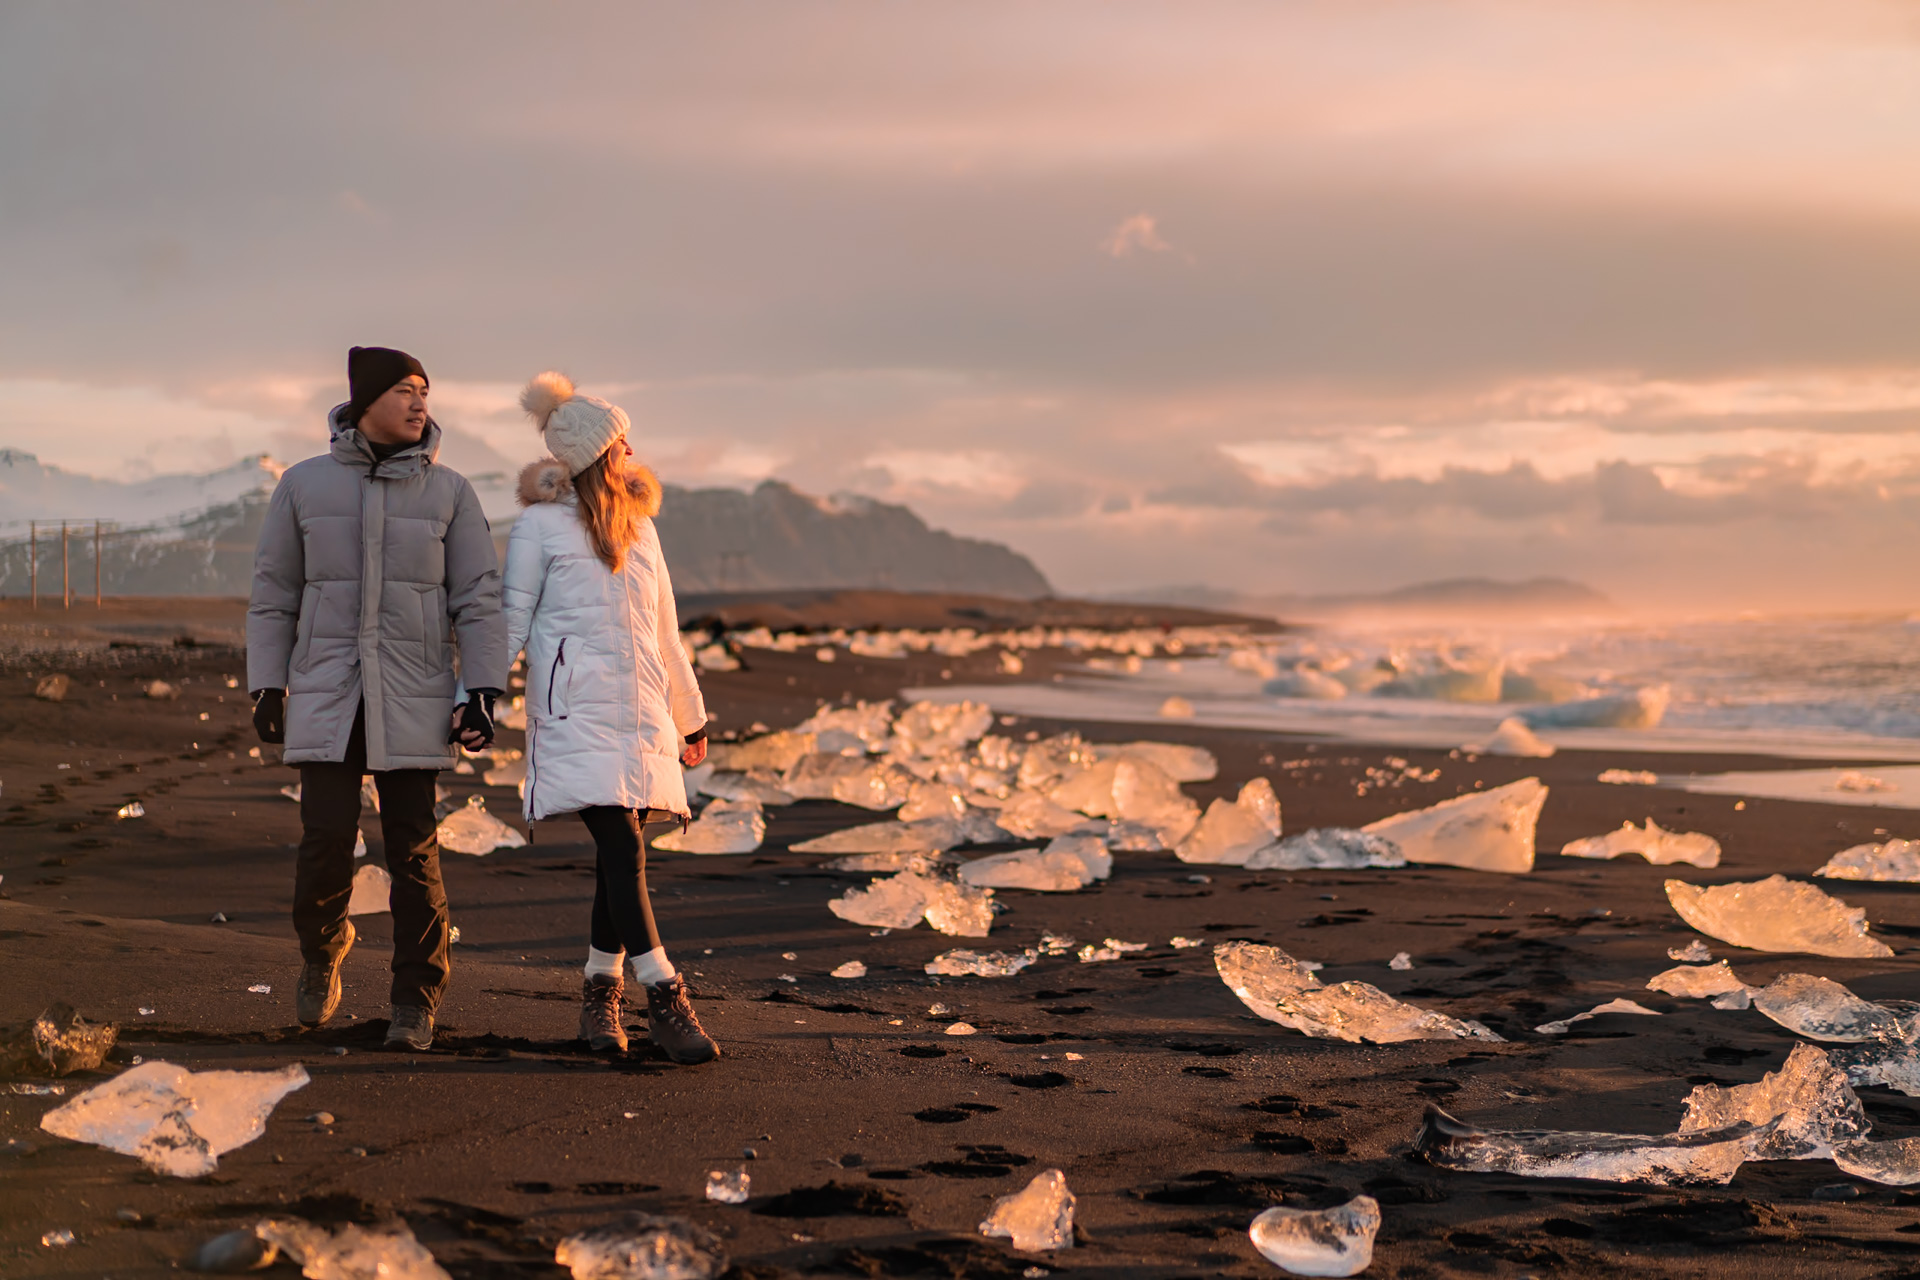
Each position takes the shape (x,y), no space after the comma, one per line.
(1272,297)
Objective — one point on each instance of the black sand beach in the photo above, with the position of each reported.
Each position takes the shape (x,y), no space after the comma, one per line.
(876,1141)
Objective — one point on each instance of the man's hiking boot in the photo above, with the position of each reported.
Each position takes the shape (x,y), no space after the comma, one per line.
(318,996)
(411,1028)
(600,1013)
(672,1026)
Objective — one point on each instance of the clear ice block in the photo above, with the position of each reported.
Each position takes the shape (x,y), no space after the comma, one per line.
(1067,864)
(352,1252)
(58,1042)
(729,1187)
(1281,989)
(1776,914)
(1483,830)
(643,1246)
(962,963)
(1319,1242)
(1696,982)
(1894,1164)
(473,830)
(1561,1027)
(1231,831)
(1652,842)
(175,1121)
(1328,848)
(1035,1219)
(725,826)
(1821,1009)
(1895,860)
(1703,1158)
(762,785)
(1808,1097)
(372,891)
(925,835)
(1032,816)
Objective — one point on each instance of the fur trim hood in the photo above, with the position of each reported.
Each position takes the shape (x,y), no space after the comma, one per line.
(548,481)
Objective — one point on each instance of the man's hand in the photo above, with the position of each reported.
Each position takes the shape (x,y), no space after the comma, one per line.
(270,715)
(473,721)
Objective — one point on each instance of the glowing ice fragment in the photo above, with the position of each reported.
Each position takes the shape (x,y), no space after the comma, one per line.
(1038,1218)
(1696,982)
(372,891)
(851,969)
(1630,777)
(1328,848)
(175,1121)
(1512,737)
(1232,831)
(1821,1009)
(1776,914)
(962,963)
(1482,830)
(1807,1099)
(1612,1006)
(729,1188)
(927,835)
(1705,1157)
(1894,860)
(1066,864)
(643,1247)
(725,826)
(473,830)
(1281,989)
(1319,1242)
(1658,846)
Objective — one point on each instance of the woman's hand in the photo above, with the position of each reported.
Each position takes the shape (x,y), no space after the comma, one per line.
(694,754)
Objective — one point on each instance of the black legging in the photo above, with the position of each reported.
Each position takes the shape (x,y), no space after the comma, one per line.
(622,909)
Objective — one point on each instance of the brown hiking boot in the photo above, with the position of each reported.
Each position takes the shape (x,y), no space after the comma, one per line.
(672,1026)
(600,1013)
(318,996)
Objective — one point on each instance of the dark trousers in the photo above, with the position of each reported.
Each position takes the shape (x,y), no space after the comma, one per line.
(323,878)
(622,908)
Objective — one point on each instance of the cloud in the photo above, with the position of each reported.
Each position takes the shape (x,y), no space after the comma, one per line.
(1137,234)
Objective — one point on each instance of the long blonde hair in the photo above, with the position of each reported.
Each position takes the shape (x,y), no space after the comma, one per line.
(611,506)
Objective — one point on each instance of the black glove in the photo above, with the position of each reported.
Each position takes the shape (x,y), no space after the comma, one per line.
(270,715)
(476,715)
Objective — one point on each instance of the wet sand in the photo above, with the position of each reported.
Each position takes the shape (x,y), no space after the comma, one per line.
(1182,1117)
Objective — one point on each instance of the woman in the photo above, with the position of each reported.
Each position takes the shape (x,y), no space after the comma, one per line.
(613,709)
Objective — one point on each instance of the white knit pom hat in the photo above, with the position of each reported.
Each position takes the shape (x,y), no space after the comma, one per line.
(578,428)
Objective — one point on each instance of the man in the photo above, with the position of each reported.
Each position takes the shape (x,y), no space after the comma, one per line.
(375,563)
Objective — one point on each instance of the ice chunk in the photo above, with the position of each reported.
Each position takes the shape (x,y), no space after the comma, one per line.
(1612,1006)
(962,963)
(1895,1163)
(762,785)
(1641,709)
(851,969)
(777,752)
(1741,999)
(962,1029)
(1304,682)
(1176,708)
(1177,760)
(729,1188)
(53,688)
(1893,1063)
(234,1252)
(132,810)
(927,835)
(1032,816)
(1482,830)
(1319,1242)
(1894,860)
(1327,848)
(372,891)
(643,1247)
(877,862)
(1068,863)
(902,901)
(1630,777)
(352,1252)
(176,1121)
(1036,1219)
(1179,943)
(725,826)
(854,780)
(1821,1009)
(1695,952)
(1776,914)
(1696,982)
(1281,989)
(1855,781)
(934,800)
(1512,737)
(1705,1157)
(1658,846)
(1401,960)
(473,830)
(1808,1096)
(56,1043)
(1233,830)
(929,728)
(160,689)
(960,910)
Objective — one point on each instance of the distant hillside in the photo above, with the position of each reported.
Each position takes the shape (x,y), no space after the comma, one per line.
(195,535)
(1454,598)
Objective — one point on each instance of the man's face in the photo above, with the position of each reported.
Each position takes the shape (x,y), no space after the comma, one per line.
(400,415)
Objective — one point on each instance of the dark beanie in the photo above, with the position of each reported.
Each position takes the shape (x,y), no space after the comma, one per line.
(372,372)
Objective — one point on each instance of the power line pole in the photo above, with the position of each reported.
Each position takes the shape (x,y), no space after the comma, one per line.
(66,580)
(96,564)
(33,562)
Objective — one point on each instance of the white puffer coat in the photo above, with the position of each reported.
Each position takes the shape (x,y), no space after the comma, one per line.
(610,692)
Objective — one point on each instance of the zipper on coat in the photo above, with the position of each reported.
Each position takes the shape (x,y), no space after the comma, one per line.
(553,672)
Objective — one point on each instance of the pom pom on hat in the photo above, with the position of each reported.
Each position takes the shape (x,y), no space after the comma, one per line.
(578,428)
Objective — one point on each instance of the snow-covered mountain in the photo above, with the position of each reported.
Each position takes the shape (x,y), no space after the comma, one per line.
(195,535)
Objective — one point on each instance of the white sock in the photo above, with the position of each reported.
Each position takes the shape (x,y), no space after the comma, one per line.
(603,964)
(652,968)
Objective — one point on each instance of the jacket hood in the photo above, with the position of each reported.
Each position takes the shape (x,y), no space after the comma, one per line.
(352,448)
(548,481)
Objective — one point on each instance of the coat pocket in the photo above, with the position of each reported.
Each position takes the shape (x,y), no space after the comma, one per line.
(560,681)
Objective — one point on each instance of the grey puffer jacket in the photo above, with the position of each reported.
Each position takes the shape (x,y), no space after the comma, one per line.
(368,575)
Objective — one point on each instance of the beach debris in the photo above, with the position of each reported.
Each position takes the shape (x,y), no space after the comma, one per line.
(53,688)
(1807,1099)
(1036,1219)
(1561,1027)
(1695,952)
(1512,737)
(175,1121)
(1401,960)
(962,963)
(234,1253)
(962,1029)
(1861,783)
(372,891)
(1776,914)
(1232,831)
(1703,1157)
(1630,777)
(902,900)
(1696,982)
(1895,1163)
(725,826)
(1176,708)
(1032,816)
(1894,860)
(1657,845)
(927,835)
(851,969)
(1319,1242)
(352,1252)
(1066,864)
(1489,830)
(729,1188)
(473,830)
(160,689)
(1281,989)
(1822,1009)
(1328,849)
(643,1246)
(57,1042)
